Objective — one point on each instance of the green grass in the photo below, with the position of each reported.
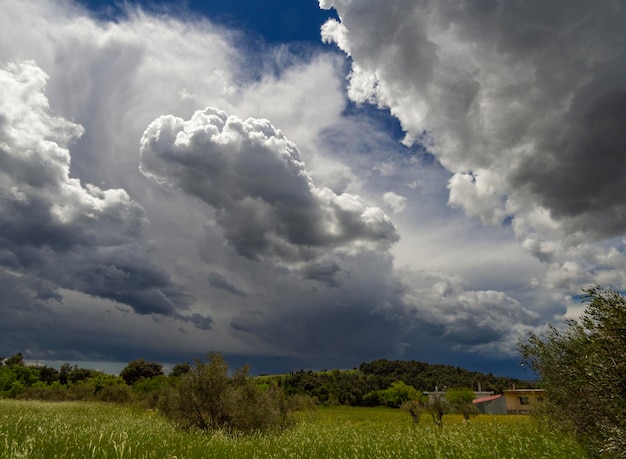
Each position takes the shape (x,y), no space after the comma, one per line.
(82,430)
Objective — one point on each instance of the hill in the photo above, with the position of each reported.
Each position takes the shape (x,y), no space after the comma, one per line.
(350,387)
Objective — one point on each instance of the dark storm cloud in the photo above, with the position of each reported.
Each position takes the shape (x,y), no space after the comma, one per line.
(313,318)
(440,304)
(326,272)
(582,172)
(526,97)
(376,310)
(69,235)
(252,175)
(200,321)
(216,280)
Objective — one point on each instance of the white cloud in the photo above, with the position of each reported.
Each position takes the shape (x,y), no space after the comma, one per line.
(396,202)
(252,176)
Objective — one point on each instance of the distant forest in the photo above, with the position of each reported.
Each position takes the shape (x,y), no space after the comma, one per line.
(356,387)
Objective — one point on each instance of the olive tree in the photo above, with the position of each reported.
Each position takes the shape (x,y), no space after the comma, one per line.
(437,406)
(582,367)
(415,409)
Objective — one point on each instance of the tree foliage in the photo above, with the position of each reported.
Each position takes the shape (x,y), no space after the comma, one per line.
(583,369)
(180,369)
(138,369)
(363,387)
(207,398)
(398,393)
(15,360)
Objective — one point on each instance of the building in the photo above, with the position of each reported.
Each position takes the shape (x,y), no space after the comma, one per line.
(493,404)
(514,401)
(522,401)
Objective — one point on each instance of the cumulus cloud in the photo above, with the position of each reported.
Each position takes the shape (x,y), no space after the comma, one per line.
(68,235)
(252,175)
(395,201)
(521,102)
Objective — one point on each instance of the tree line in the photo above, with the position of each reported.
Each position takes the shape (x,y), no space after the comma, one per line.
(357,387)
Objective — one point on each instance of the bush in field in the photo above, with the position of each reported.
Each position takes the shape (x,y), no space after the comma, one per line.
(100,380)
(148,391)
(115,394)
(54,392)
(393,397)
(398,393)
(80,391)
(207,398)
(583,370)
(373,398)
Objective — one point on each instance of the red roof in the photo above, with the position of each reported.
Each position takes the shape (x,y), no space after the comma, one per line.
(486,399)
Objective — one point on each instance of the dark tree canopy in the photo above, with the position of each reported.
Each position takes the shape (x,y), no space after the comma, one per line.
(180,369)
(138,369)
(16,359)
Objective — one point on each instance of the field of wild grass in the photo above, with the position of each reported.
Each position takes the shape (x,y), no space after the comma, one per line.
(31,429)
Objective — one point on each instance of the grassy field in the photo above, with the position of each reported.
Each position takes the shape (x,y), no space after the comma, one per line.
(92,430)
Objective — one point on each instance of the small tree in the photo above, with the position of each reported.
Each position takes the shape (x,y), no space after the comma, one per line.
(462,402)
(415,409)
(80,374)
(437,406)
(48,374)
(64,373)
(583,370)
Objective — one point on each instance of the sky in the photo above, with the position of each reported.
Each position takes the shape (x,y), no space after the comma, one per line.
(303,184)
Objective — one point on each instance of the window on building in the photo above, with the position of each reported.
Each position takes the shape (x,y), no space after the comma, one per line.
(523,400)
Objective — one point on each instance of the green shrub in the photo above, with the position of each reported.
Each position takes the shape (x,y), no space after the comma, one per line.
(55,392)
(207,398)
(399,393)
(80,391)
(115,394)
(148,391)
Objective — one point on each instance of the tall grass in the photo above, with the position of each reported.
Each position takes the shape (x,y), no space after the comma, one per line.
(96,430)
